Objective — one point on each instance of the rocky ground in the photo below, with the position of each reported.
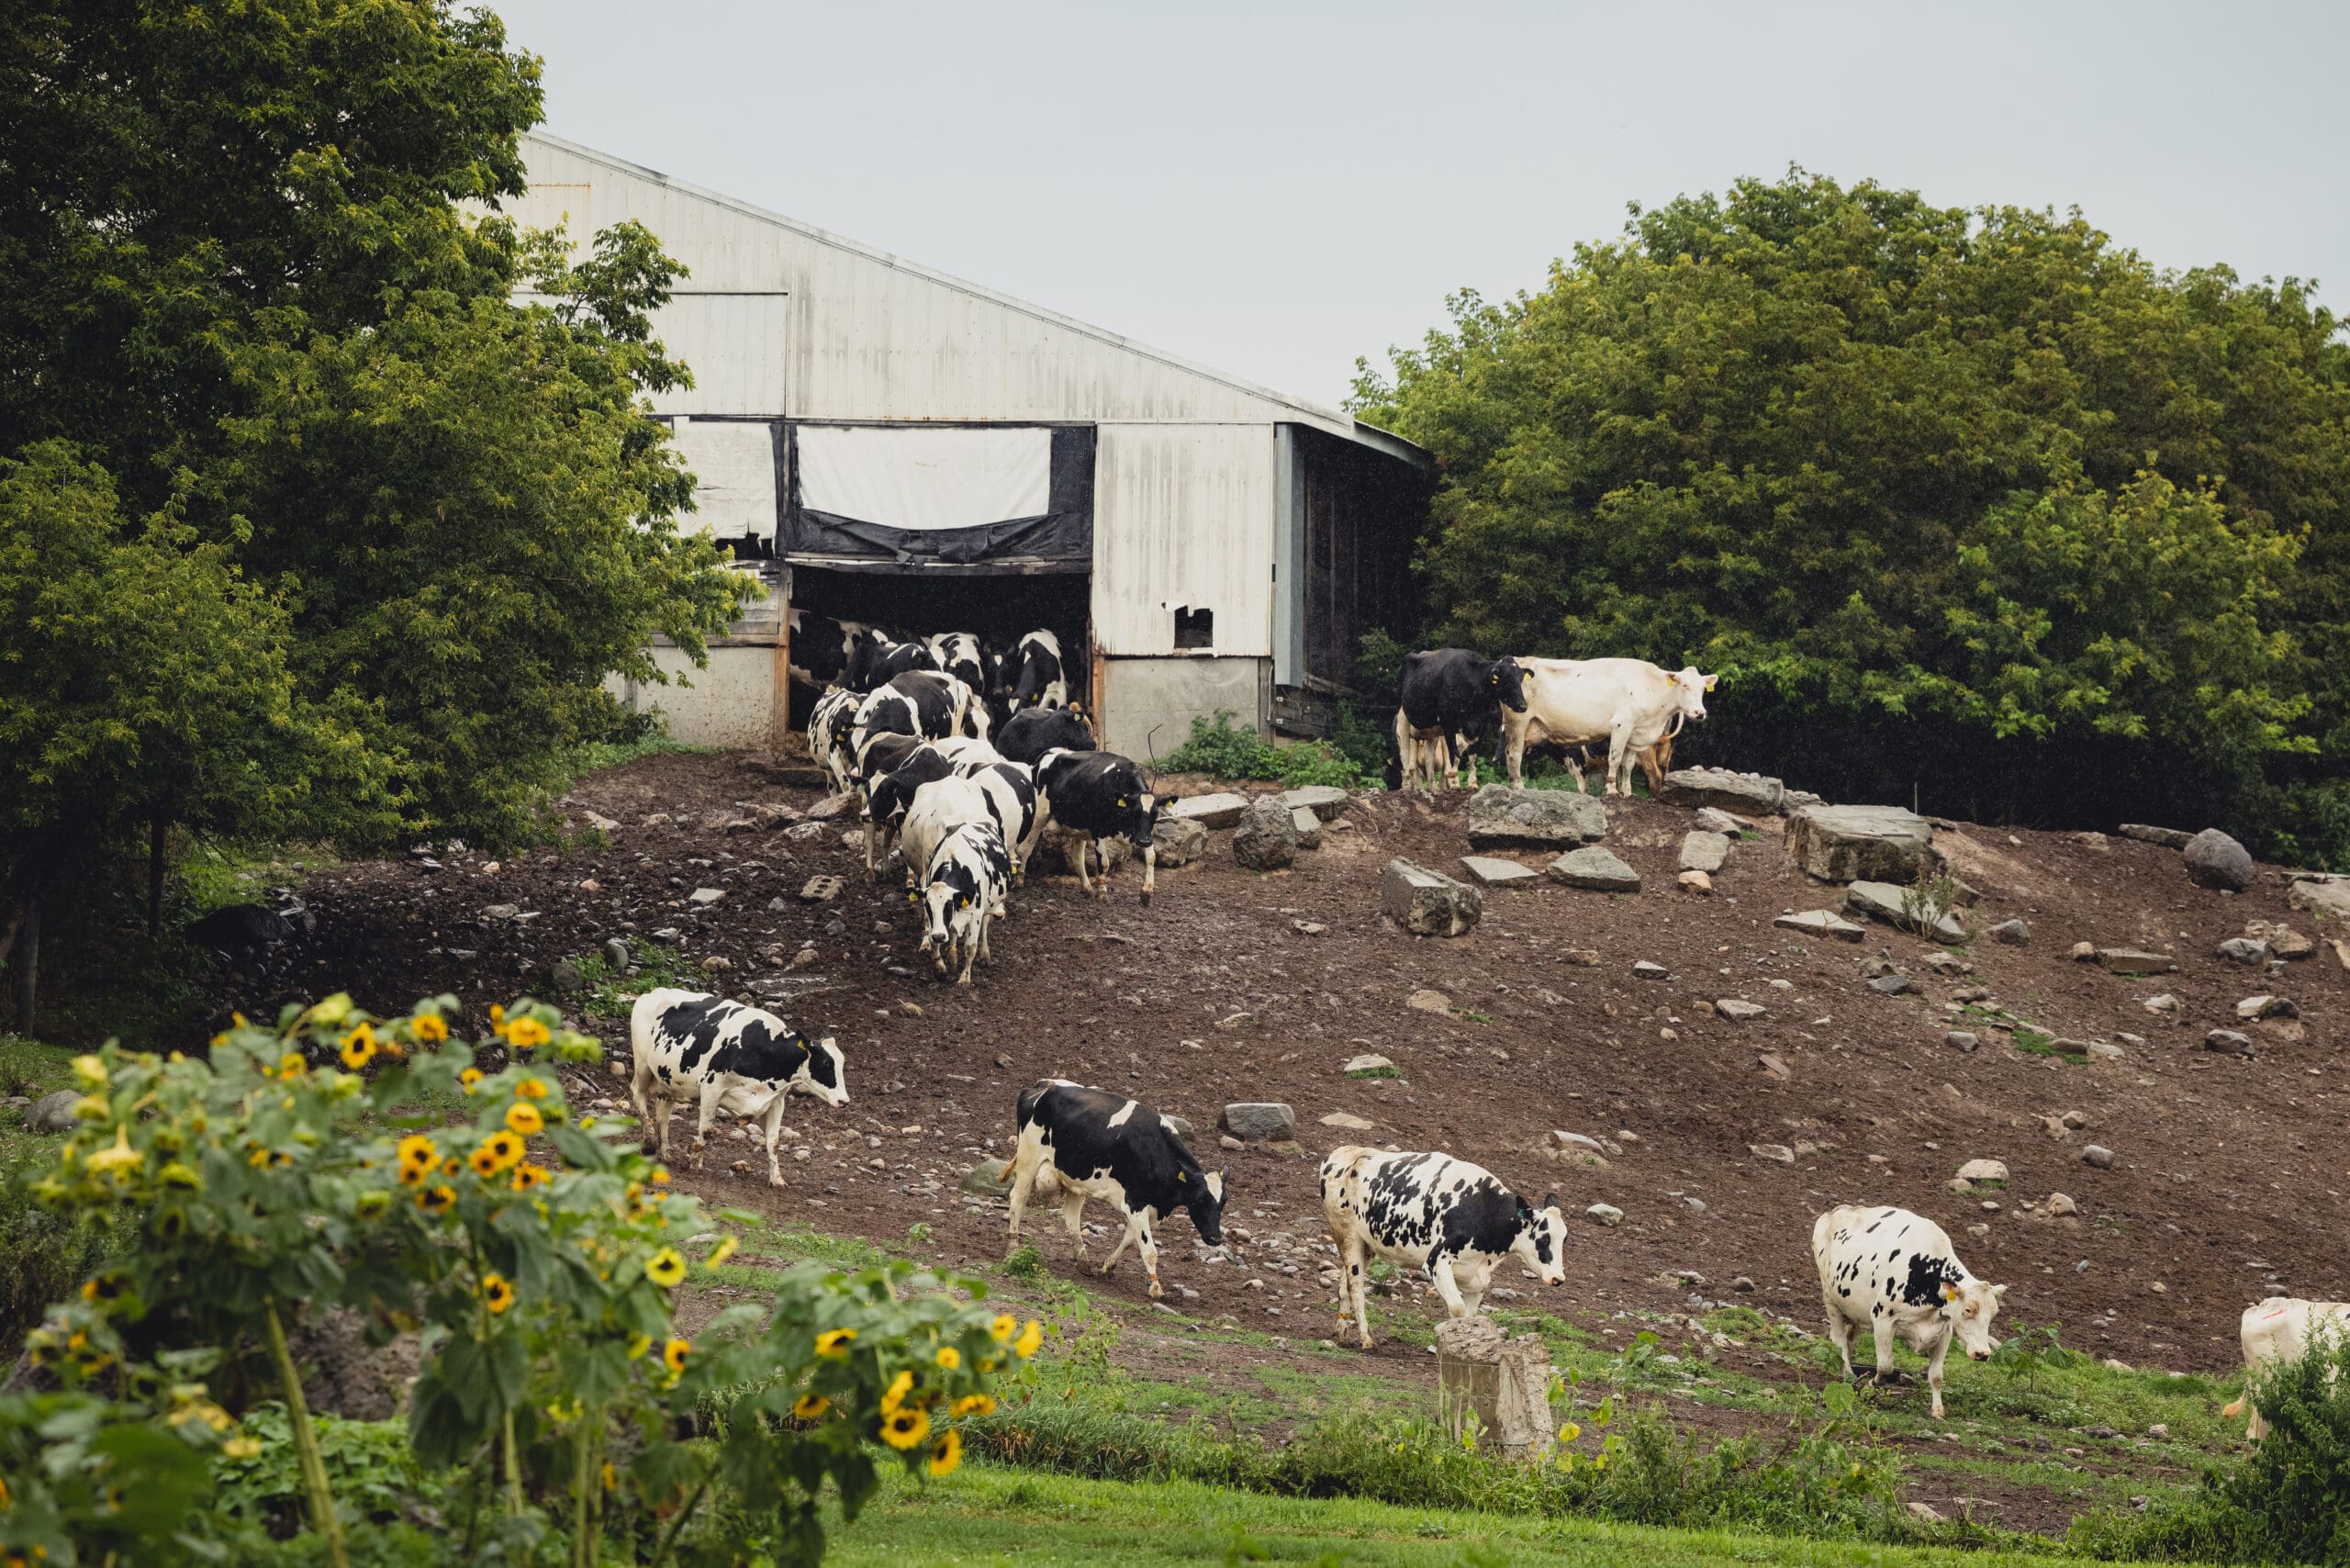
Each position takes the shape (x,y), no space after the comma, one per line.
(1725,1078)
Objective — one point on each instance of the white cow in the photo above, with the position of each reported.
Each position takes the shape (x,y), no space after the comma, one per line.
(691,1047)
(1895,1273)
(2282,1329)
(939,809)
(1630,704)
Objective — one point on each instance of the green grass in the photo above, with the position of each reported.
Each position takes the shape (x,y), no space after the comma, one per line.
(609,992)
(596,756)
(986,1515)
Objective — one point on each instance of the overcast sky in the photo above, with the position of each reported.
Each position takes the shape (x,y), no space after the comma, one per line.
(1275,189)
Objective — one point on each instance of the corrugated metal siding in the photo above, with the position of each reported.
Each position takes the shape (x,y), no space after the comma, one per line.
(734,344)
(1183,515)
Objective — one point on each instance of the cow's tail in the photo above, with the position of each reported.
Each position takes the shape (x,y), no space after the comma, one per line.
(1394,777)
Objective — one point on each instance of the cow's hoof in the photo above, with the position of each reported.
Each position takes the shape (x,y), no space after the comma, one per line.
(1155,1292)
(1145,898)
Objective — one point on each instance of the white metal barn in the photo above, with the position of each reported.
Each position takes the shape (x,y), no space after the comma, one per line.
(880,442)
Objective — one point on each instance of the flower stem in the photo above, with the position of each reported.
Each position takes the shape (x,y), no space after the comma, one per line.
(677,1525)
(306,1441)
(514,1467)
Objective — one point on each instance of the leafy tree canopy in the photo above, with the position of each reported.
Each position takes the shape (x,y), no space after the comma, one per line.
(1976,502)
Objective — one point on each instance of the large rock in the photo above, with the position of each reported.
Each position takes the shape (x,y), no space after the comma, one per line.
(985,1179)
(1487,871)
(1719,787)
(1209,811)
(2131,961)
(1266,836)
(1821,922)
(2168,837)
(1851,844)
(1499,815)
(2215,860)
(1595,869)
(1426,902)
(1178,841)
(1888,902)
(1324,801)
(1264,1122)
(1309,827)
(2245,950)
(2014,933)
(1704,851)
(54,1112)
(2329,897)
(1984,1170)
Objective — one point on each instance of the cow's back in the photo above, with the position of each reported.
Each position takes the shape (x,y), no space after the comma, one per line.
(2281,1327)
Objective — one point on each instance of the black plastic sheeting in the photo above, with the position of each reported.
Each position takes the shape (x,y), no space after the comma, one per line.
(1063,533)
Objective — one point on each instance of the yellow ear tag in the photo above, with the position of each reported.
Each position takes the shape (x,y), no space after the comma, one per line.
(1180,1177)
(912,897)
(1950,1292)
(1122,802)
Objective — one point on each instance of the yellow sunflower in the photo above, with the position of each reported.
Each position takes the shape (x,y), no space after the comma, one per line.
(808,1406)
(945,1453)
(905,1428)
(496,1293)
(527,1034)
(975,1404)
(359,1048)
(531,1088)
(895,1394)
(949,1357)
(292,1064)
(437,1200)
(524,1119)
(674,1353)
(419,1150)
(485,1162)
(1004,1327)
(505,1146)
(469,1077)
(834,1341)
(666,1267)
(1031,1339)
(638,1344)
(429,1029)
(527,1176)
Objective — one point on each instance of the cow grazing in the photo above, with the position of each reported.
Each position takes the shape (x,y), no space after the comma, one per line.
(875,660)
(1037,673)
(923,703)
(962,893)
(1011,791)
(1099,794)
(1895,1273)
(1448,701)
(1030,733)
(1630,704)
(1089,1143)
(890,796)
(705,1050)
(828,732)
(822,646)
(2281,1329)
(1452,1219)
(958,654)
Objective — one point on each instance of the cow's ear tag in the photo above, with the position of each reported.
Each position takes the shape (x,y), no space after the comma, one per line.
(1180,1177)
(1122,802)
(1950,1292)
(912,897)
(1494,678)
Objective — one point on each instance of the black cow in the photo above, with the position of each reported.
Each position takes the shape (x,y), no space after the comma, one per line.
(876,661)
(1032,732)
(1037,674)
(1450,697)
(1099,794)
(711,1053)
(1092,1144)
(822,646)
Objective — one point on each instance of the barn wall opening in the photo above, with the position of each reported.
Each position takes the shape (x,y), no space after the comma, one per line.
(1194,628)
(924,603)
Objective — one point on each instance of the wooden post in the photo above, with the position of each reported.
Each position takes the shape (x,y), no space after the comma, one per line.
(780,713)
(1505,1383)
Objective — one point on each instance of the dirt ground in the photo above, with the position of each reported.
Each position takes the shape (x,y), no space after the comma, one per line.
(2227,1185)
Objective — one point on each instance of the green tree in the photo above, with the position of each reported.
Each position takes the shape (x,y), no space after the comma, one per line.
(1977,500)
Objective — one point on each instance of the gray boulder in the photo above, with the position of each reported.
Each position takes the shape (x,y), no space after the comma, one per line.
(1886,902)
(2245,950)
(1220,810)
(1488,872)
(1324,801)
(1264,1122)
(2329,897)
(1711,820)
(1265,837)
(1178,841)
(985,1179)
(2168,837)
(1718,787)
(2228,1042)
(616,954)
(54,1112)
(2215,860)
(1851,844)
(1308,826)
(1499,815)
(1704,851)
(1594,869)
(1821,922)
(1426,902)
(2012,933)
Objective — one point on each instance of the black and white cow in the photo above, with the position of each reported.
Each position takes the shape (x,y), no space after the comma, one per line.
(694,1049)
(1099,794)
(888,798)
(939,808)
(962,893)
(1894,1272)
(1012,800)
(1038,677)
(1432,1212)
(828,731)
(1032,732)
(880,756)
(822,646)
(877,660)
(922,703)
(958,654)
(1450,698)
(1089,1143)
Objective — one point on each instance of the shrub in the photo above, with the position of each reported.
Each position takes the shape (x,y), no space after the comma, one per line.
(1222,750)
(50,1254)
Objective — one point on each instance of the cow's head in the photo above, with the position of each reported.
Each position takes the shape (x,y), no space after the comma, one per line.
(1689,689)
(1542,1239)
(1204,1196)
(825,1075)
(950,912)
(1970,1308)
(1507,681)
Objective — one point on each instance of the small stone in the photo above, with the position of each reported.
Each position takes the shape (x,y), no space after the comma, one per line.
(1538,819)
(1427,903)
(1369,1062)
(1924,1513)
(2284,942)
(1178,841)
(1725,790)
(1775,1065)
(1426,1001)
(498,912)
(1265,839)
(1893,985)
(1346,1121)
(1712,819)
(2266,1007)
(1647,970)
(2168,837)
(830,807)
(1778,1153)
(54,1112)
(2012,933)
(1491,872)
(2133,961)
(568,981)
(2243,950)
(1179,1125)
(1821,922)
(616,954)
(2214,860)
(1226,1140)
(1309,827)
(1605,1214)
(1266,1120)
(1741,1284)
(2159,1431)
(1704,851)
(2084,953)
(2165,1003)
(1982,1171)
(2060,1205)
(986,1178)
(1594,870)
(1962,1039)
(1694,883)
(2228,1042)
(1851,844)
(1736,1009)
(2099,1156)
(1891,902)
(1325,801)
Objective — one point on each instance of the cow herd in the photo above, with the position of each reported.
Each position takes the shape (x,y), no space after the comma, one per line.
(1450,698)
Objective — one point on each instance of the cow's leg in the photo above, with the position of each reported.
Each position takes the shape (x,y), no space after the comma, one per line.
(1447,763)
(1148,1246)
(1073,1216)
(1126,1237)
(1882,1323)
(1150,867)
(1448,1287)
(705,1114)
(971,943)
(639,1079)
(1407,755)
(1513,748)
(662,1108)
(1840,1334)
(1934,1370)
(1085,843)
(772,1125)
(1023,1179)
(872,863)
(1619,758)
(1472,1281)
(1354,1282)
(2256,1429)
